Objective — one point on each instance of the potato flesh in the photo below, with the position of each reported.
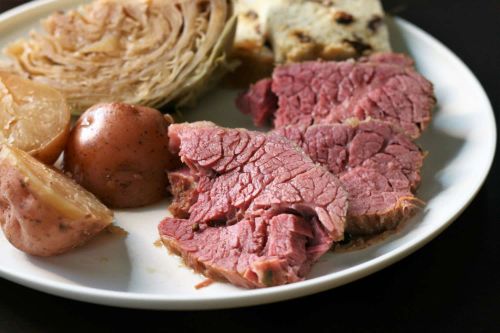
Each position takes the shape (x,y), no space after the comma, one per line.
(33,117)
(57,189)
(43,212)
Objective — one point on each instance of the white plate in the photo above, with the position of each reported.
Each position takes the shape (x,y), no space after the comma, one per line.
(133,273)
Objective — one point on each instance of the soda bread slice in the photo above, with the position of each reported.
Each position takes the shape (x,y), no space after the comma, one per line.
(282,31)
(327,29)
(251,45)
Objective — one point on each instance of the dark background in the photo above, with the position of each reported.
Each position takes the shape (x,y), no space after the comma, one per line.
(451,285)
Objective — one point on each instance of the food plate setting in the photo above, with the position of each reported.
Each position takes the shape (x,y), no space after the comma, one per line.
(295,210)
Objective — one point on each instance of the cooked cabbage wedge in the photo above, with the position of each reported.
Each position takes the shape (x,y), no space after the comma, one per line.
(147,52)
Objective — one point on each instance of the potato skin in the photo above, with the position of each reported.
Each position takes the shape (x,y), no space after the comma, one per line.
(35,227)
(119,152)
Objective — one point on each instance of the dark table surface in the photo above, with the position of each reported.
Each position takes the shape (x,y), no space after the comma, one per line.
(450,285)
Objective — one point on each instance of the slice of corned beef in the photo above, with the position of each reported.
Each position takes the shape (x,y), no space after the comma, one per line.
(183,189)
(378,166)
(260,102)
(264,211)
(383,86)
(255,252)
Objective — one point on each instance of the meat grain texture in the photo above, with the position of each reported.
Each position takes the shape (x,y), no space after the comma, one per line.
(183,189)
(264,211)
(378,166)
(384,86)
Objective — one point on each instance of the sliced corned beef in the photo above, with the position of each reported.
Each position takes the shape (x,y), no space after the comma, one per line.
(264,211)
(183,189)
(383,86)
(260,102)
(377,165)
(255,252)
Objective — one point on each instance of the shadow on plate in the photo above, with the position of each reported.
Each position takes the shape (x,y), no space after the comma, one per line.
(219,106)
(396,38)
(103,263)
(442,149)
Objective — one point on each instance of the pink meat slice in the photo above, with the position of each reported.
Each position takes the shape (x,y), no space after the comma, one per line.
(264,211)
(183,189)
(383,86)
(260,102)
(378,166)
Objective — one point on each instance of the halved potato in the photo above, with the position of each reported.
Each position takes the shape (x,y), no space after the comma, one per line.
(43,212)
(33,117)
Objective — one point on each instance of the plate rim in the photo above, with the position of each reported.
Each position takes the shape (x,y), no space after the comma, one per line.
(266,295)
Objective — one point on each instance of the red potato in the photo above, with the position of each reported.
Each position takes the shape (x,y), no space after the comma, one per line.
(43,212)
(120,153)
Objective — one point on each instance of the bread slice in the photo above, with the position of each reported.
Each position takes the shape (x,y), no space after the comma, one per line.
(332,30)
(251,45)
(282,31)
(251,29)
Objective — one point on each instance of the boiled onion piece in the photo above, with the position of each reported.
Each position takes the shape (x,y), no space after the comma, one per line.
(147,52)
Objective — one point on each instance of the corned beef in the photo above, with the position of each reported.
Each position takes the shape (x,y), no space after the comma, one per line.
(377,165)
(383,86)
(183,189)
(260,102)
(264,211)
